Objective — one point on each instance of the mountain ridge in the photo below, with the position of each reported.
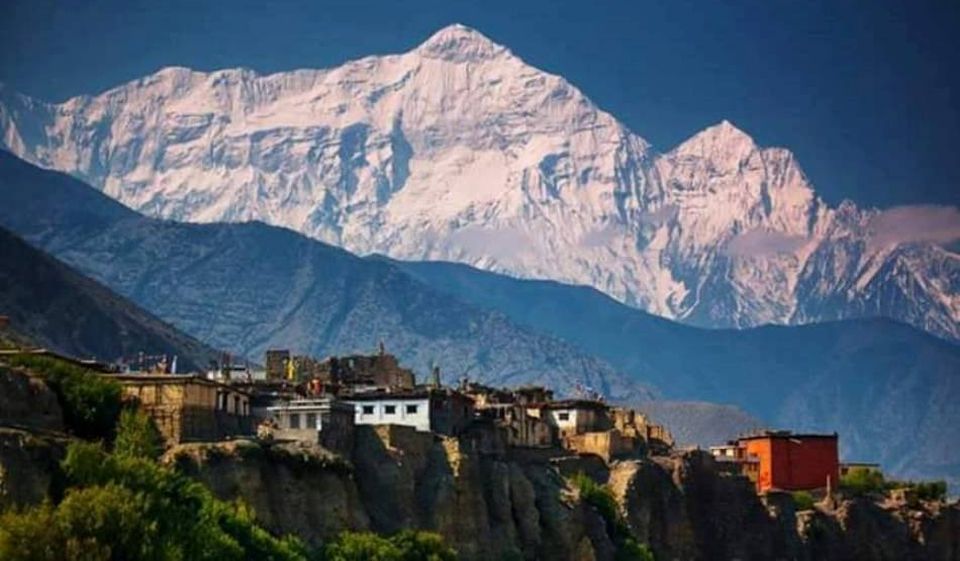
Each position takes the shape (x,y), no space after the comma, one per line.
(476,157)
(886,386)
(52,305)
(248,287)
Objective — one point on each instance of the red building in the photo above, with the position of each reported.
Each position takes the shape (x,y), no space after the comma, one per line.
(789,462)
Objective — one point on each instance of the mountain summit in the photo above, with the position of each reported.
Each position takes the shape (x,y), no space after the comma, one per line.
(460,43)
(458,150)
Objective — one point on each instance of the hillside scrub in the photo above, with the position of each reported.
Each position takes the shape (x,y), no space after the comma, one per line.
(122,505)
(91,404)
(863,483)
(137,435)
(601,498)
(408,545)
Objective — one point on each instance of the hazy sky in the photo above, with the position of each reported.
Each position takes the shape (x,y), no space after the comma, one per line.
(864,92)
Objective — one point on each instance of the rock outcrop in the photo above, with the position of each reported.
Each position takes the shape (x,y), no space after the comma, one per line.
(512,505)
(31,443)
(521,507)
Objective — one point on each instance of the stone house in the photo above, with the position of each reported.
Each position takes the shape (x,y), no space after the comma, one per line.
(189,408)
(608,444)
(277,364)
(574,416)
(327,421)
(520,428)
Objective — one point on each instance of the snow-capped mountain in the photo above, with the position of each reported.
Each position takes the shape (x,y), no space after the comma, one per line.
(458,150)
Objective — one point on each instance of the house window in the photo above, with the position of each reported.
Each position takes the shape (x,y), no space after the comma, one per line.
(390,409)
(411,409)
(236,405)
(294,420)
(311,420)
(564,416)
(367,409)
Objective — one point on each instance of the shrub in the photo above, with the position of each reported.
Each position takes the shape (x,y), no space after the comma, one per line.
(137,436)
(129,507)
(931,490)
(866,482)
(408,545)
(803,500)
(923,490)
(863,482)
(602,499)
(91,404)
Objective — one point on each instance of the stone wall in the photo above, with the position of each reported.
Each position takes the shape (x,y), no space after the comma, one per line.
(609,444)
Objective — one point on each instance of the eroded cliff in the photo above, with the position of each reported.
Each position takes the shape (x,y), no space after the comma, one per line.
(519,506)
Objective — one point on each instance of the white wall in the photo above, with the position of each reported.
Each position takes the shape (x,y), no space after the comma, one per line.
(553,418)
(419,420)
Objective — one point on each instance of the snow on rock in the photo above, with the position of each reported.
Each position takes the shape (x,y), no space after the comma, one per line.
(458,150)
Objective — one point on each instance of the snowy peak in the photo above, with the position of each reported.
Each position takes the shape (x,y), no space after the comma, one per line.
(721,143)
(458,150)
(459,43)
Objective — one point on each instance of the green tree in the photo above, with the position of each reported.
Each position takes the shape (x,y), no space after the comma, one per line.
(124,507)
(602,499)
(803,500)
(137,436)
(422,546)
(91,403)
(863,482)
(361,546)
(408,545)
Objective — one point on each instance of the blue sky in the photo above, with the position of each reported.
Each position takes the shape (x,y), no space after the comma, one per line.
(864,92)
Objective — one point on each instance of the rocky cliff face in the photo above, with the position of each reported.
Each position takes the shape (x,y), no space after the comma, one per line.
(458,150)
(887,388)
(495,507)
(31,439)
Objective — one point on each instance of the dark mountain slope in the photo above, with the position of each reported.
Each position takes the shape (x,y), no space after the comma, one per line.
(54,306)
(248,287)
(889,389)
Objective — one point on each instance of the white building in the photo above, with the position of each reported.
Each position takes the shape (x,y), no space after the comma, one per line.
(428,409)
(411,410)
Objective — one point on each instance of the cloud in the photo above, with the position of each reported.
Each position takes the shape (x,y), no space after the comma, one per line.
(760,243)
(915,224)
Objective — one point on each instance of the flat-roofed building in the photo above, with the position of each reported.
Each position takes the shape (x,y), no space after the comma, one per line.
(782,460)
(189,408)
(326,420)
(575,416)
(439,410)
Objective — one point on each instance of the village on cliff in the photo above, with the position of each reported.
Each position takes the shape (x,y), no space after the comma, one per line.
(303,399)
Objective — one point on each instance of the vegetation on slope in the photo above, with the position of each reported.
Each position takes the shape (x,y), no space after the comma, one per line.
(121,504)
(91,404)
(601,498)
(862,483)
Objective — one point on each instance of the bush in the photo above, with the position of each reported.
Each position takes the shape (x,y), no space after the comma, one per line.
(865,482)
(137,436)
(408,545)
(602,499)
(931,490)
(803,500)
(923,490)
(91,404)
(129,507)
(861,483)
